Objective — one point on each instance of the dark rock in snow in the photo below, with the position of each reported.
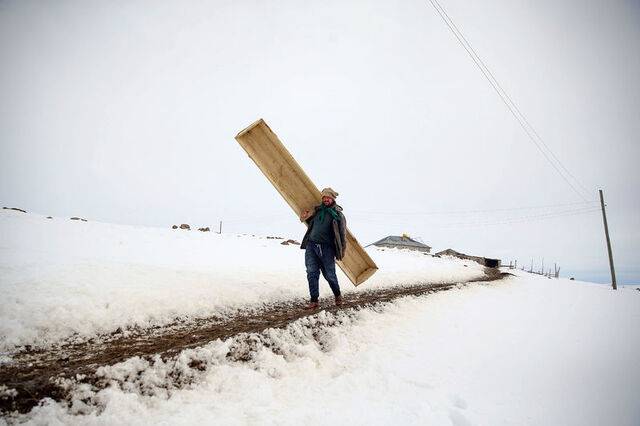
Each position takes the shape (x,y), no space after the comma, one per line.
(204,229)
(14,208)
(78,218)
(174,227)
(185,226)
(287,242)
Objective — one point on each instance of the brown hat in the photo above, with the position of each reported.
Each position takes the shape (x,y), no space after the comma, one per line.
(328,192)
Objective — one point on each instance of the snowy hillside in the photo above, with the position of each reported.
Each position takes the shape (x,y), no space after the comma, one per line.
(522,350)
(61,277)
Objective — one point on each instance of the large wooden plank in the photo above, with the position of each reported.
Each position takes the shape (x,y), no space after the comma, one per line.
(286,175)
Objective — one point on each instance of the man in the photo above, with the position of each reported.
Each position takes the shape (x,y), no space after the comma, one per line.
(324,242)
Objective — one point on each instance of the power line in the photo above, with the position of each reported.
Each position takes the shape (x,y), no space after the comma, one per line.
(524,118)
(527,218)
(376,216)
(507,209)
(507,100)
(510,220)
(371,215)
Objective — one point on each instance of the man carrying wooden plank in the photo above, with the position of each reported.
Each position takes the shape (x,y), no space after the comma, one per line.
(324,242)
(285,174)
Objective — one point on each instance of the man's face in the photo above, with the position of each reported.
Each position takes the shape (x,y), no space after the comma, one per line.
(327,201)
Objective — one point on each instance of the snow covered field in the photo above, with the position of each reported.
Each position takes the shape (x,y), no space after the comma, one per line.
(525,350)
(61,278)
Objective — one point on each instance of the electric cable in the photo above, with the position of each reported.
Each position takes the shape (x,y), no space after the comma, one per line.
(511,100)
(461,212)
(508,220)
(506,99)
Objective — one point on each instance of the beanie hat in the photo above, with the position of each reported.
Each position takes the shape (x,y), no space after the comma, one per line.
(328,192)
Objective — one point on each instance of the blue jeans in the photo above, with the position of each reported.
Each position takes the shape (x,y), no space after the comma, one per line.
(320,258)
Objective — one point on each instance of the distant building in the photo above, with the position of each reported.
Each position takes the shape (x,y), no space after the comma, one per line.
(402,242)
(491,263)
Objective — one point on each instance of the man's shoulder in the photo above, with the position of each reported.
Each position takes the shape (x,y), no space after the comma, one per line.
(341,217)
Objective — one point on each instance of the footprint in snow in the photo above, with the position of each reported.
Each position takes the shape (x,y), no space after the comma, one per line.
(458,402)
(458,419)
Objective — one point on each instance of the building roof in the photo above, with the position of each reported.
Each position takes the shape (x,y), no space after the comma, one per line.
(400,241)
(487,261)
(450,251)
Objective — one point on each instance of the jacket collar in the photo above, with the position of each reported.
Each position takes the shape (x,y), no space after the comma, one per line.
(334,206)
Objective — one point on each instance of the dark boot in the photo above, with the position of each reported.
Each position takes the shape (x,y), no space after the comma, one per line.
(312,306)
(338,300)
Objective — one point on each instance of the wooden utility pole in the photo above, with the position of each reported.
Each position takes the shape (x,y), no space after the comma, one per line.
(220,231)
(606,233)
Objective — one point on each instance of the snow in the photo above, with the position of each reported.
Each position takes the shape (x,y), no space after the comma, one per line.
(525,350)
(61,278)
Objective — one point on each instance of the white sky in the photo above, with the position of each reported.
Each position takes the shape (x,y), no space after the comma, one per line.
(126,112)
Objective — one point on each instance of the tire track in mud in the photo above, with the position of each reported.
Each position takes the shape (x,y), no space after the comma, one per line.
(34,372)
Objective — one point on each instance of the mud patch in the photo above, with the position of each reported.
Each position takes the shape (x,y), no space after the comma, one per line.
(74,373)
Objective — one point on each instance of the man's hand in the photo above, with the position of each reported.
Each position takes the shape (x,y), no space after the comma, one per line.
(305,215)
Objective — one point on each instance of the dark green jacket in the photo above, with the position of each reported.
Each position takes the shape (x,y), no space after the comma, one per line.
(339,231)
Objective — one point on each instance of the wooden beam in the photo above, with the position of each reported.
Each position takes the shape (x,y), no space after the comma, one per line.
(285,174)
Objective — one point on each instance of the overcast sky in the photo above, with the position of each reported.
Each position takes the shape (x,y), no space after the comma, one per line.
(126,112)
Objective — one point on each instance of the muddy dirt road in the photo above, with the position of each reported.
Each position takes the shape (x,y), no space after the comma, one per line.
(32,372)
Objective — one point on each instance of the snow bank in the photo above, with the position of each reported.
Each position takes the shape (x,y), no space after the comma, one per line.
(62,278)
(528,351)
